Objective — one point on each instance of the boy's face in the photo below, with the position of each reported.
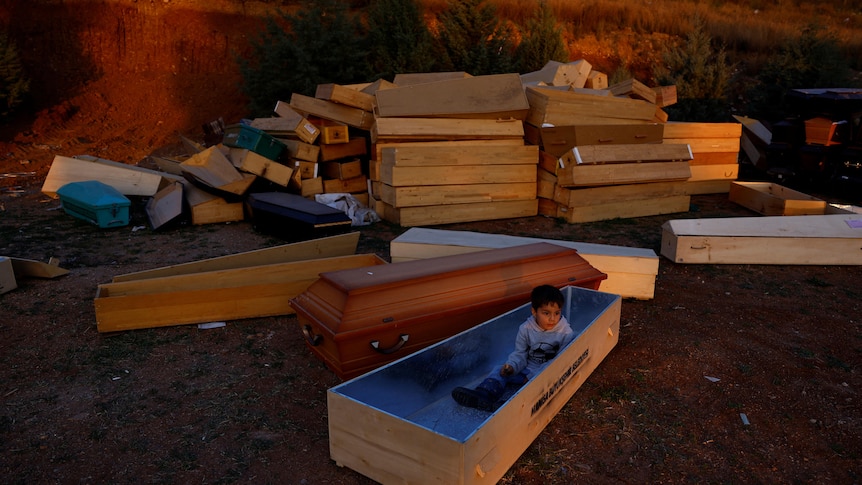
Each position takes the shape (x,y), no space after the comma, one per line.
(547,315)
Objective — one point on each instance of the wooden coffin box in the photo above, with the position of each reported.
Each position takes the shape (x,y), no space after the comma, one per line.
(357,320)
(96,203)
(399,424)
(294,217)
(775,200)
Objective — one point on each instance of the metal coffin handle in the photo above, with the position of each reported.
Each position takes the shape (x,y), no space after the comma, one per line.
(310,337)
(375,344)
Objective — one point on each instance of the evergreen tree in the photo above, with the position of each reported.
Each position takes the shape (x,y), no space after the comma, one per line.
(398,39)
(701,75)
(14,86)
(472,39)
(321,43)
(814,60)
(542,41)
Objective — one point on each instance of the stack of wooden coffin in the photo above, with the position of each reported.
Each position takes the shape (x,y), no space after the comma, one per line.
(715,153)
(601,148)
(453,150)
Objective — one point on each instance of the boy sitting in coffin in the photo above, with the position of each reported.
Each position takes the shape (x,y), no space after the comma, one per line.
(539,340)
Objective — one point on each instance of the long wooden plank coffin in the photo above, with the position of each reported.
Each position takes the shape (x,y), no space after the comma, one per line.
(127,179)
(452,213)
(775,200)
(827,239)
(399,424)
(631,271)
(357,320)
(565,108)
(429,129)
(325,247)
(229,294)
(495,96)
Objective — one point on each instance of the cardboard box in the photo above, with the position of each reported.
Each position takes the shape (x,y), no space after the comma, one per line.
(403,414)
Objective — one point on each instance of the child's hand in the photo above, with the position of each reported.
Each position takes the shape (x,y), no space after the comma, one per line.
(507,370)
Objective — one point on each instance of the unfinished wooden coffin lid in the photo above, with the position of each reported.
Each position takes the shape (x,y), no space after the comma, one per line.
(357,320)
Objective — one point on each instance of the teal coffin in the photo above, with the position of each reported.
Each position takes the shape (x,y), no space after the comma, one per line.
(95,202)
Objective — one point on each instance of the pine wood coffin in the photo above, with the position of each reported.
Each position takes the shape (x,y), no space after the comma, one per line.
(357,320)
(399,424)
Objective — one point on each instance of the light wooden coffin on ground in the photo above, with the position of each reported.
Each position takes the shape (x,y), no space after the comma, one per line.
(715,153)
(127,179)
(631,271)
(325,247)
(827,239)
(399,424)
(229,294)
(496,96)
(567,108)
(357,320)
(771,199)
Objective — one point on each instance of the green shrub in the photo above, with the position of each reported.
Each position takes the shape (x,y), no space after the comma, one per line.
(14,86)
(398,39)
(472,39)
(701,75)
(322,43)
(541,41)
(814,60)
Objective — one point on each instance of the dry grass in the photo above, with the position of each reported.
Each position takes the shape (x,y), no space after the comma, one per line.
(746,27)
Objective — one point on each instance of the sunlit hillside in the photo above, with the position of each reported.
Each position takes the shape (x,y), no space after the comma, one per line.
(627,34)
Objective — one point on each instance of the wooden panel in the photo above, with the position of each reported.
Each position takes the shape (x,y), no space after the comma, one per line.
(300,150)
(436,195)
(714,172)
(355,184)
(421,155)
(555,73)
(496,96)
(826,239)
(342,170)
(634,89)
(7,276)
(346,96)
(707,145)
(626,153)
(559,108)
(428,129)
(774,200)
(587,196)
(329,110)
(688,129)
(466,174)
(213,295)
(355,147)
(622,173)
(377,151)
(251,162)
(411,78)
(624,209)
(557,140)
(451,213)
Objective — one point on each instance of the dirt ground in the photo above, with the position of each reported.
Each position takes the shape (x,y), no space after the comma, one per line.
(246,403)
